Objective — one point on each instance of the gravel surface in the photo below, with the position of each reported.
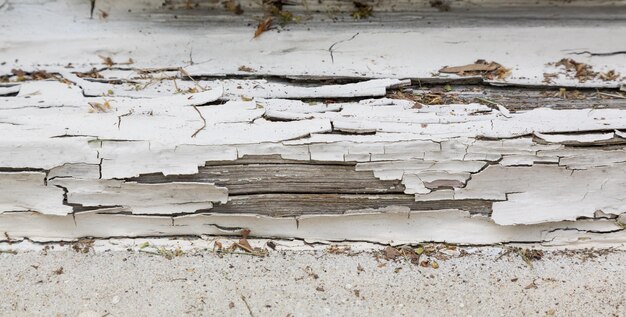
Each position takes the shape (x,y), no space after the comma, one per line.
(482,282)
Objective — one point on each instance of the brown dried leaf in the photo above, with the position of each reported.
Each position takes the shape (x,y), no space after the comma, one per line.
(245,233)
(245,245)
(263,26)
(217,246)
(391,253)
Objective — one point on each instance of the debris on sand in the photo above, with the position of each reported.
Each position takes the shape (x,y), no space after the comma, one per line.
(422,255)
(238,247)
(83,245)
(488,70)
(336,249)
(527,255)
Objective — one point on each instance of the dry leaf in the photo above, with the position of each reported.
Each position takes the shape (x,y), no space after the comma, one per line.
(263,26)
(391,253)
(217,246)
(245,245)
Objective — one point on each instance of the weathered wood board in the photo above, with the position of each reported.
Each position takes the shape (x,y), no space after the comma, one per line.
(204,150)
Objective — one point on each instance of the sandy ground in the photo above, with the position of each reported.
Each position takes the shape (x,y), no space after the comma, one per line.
(472,282)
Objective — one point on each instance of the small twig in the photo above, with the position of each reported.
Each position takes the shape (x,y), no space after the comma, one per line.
(243,298)
(330,49)
(8,251)
(611,95)
(184,72)
(203,123)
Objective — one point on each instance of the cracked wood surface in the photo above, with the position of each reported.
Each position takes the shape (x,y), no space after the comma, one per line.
(375,169)
(160,153)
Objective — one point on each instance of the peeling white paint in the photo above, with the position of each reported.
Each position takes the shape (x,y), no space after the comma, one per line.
(152,199)
(540,175)
(27,191)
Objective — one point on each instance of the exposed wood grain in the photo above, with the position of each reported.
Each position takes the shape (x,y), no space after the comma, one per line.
(515,98)
(291,205)
(263,178)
